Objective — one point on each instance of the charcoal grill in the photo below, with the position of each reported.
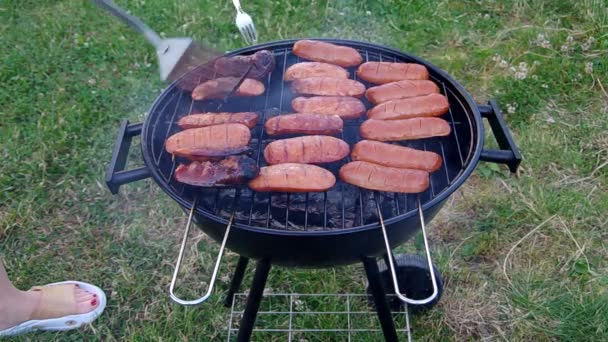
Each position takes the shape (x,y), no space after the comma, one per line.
(341,226)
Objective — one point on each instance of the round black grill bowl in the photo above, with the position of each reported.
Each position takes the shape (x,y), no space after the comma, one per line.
(317,229)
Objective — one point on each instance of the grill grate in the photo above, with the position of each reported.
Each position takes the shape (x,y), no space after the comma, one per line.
(326,317)
(342,207)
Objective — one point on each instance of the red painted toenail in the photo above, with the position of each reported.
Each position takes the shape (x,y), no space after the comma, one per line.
(94,301)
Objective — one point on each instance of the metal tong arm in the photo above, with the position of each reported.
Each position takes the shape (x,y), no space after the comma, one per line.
(391,261)
(134,22)
(179,262)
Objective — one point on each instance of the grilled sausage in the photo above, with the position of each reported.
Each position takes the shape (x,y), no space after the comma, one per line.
(383,178)
(314,69)
(261,63)
(414,107)
(326,52)
(211,142)
(400,90)
(248,119)
(386,72)
(395,156)
(229,171)
(293,178)
(304,123)
(312,149)
(408,129)
(327,86)
(220,87)
(345,107)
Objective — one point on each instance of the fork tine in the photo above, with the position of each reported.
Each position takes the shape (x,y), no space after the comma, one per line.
(252,32)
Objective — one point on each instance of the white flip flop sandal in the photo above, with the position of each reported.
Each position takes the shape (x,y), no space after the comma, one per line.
(66,322)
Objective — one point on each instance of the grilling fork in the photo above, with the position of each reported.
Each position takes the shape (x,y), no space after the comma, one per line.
(245,24)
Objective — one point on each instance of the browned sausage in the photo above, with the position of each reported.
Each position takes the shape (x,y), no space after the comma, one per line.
(408,129)
(292,177)
(211,142)
(395,156)
(383,178)
(248,119)
(327,86)
(229,171)
(314,69)
(413,107)
(312,149)
(326,52)
(261,63)
(386,72)
(220,87)
(304,123)
(345,107)
(400,90)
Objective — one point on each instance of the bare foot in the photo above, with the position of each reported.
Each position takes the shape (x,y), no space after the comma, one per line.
(29,305)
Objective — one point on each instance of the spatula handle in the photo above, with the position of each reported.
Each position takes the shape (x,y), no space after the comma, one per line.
(132,21)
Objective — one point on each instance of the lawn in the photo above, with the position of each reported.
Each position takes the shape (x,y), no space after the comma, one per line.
(524,257)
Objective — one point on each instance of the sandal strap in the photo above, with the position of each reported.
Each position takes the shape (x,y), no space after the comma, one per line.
(55,301)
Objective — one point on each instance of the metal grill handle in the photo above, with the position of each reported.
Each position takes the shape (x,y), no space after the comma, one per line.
(391,262)
(179,262)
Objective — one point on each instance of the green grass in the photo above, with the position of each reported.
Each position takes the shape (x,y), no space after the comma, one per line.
(69,74)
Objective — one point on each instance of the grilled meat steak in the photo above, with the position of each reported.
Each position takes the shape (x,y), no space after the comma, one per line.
(220,87)
(292,177)
(248,119)
(408,129)
(211,142)
(261,63)
(383,178)
(229,171)
(400,90)
(312,149)
(319,51)
(395,156)
(345,107)
(413,107)
(304,123)
(385,72)
(314,69)
(327,86)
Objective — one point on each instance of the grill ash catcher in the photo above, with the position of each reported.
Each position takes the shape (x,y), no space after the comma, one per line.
(341,226)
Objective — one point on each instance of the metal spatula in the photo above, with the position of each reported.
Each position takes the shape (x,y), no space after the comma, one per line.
(176,56)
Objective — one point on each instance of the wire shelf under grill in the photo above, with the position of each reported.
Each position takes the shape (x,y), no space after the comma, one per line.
(342,207)
(316,317)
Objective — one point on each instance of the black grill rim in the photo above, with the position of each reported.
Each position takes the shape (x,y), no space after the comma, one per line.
(472,159)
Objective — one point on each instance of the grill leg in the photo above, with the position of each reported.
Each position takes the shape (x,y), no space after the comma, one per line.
(379,294)
(237,279)
(253,300)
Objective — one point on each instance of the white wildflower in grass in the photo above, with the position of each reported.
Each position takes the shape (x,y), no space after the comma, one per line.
(486,16)
(565,48)
(520,72)
(569,39)
(544,86)
(511,108)
(587,45)
(496,58)
(589,67)
(542,41)
(503,64)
